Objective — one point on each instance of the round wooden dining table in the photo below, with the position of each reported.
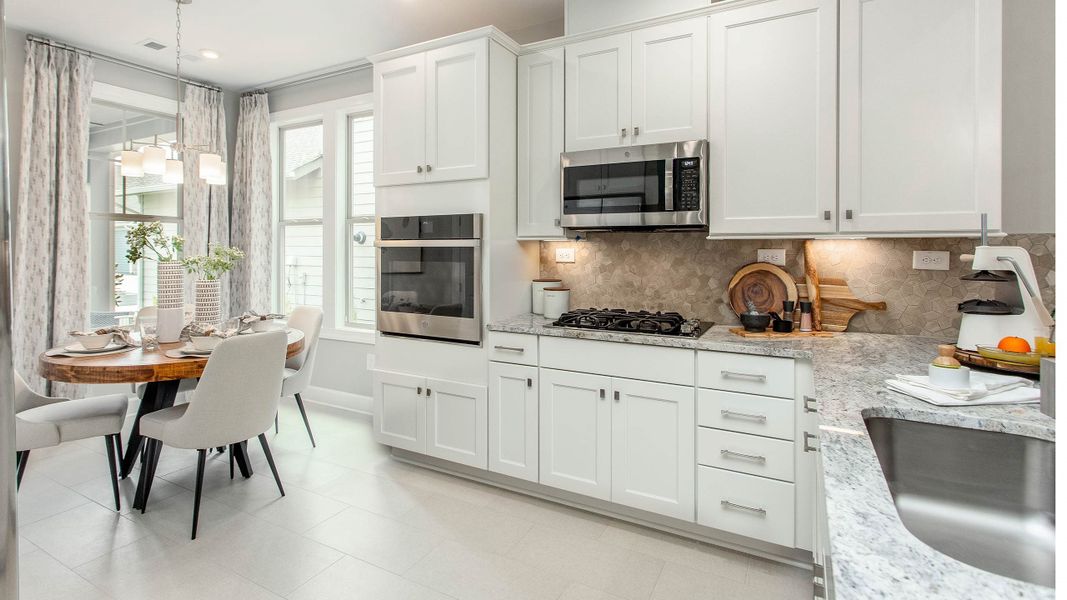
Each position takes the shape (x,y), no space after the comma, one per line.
(160,372)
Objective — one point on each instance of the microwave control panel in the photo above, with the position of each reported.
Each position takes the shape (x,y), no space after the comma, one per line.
(687,183)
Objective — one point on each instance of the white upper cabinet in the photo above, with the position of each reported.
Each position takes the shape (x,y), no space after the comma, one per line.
(773,129)
(400,120)
(598,93)
(644,87)
(540,138)
(432,115)
(920,115)
(670,82)
(457,112)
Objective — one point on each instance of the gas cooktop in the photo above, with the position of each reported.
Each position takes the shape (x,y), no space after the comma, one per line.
(621,320)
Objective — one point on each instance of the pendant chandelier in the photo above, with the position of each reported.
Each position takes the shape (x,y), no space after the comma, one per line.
(169,160)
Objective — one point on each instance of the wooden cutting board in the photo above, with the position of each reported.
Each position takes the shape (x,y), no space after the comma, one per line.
(778,335)
(766,285)
(839,304)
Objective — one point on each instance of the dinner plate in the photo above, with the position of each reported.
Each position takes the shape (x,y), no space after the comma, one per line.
(77,348)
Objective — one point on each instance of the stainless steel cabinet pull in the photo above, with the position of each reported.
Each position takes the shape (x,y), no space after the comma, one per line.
(825,215)
(429,168)
(623,132)
(602,392)
(808,447)
(755,376)
(418,391)
(758,511)
(637,130)
(741,415)
(752,457)
(529,382)
(427,392)
(848,214)
(510,349)
(418,169)
(810,405)
(616,395)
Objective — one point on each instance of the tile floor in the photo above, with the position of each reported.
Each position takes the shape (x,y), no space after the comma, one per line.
(354,524)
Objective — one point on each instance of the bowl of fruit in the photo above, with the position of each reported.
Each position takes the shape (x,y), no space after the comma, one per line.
(1011,349)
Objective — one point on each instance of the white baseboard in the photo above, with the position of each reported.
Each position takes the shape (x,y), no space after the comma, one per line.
(338,399)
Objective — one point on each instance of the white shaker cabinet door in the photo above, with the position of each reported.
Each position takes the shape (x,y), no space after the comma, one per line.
(457,112)
(653,461)
(400,410)
(400,121)
(513,420)
(773,110)
(540,137)
(575,416)
(670,82)
(598,93)
(920,115)
(457,422)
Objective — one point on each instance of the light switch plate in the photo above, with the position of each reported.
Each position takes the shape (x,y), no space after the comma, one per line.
(930,260)
(564,255)
(774,256)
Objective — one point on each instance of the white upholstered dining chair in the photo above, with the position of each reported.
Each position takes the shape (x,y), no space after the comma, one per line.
(42,422)
(308,319)
(235,401)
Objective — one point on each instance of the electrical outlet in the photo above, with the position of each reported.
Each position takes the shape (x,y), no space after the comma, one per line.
(775,256)
(564,255)
(930,260)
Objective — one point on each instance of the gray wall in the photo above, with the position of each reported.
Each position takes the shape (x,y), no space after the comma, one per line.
(323,90)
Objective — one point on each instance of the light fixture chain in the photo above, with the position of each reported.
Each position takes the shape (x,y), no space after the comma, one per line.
(178,69)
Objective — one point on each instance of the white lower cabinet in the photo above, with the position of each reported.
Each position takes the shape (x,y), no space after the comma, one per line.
(445,419)
(513,420)
(575,416)
(751,506)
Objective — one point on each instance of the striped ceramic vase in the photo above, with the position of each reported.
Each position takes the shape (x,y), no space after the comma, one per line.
(170,284)
(208,301)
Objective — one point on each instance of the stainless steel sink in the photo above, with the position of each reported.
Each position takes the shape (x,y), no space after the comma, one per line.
(984,498)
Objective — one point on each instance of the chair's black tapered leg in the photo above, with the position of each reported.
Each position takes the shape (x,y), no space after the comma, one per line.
(275,422)
(220,449)
(21,458)
(231,461)
(270,461)
(109,442)
(138,498)
(118,447)
(201,459)
(153,462)
(304,414)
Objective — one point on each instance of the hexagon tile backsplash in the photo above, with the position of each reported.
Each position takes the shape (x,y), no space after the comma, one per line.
(688,273)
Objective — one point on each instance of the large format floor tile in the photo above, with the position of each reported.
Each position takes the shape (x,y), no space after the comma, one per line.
(354,523)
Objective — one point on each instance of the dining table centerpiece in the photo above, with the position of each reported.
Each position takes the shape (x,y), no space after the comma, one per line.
(209,269)
(148,241)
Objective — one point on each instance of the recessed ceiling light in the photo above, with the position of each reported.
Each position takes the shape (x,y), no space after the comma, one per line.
(208,53)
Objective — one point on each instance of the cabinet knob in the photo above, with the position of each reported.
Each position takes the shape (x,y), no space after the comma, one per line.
(529,382)
(602,393)
(637,130)
(418,169)
(848,214)
(825,215)
(429,168)
(418,391)
(623,132)
(427,392)
(616,395)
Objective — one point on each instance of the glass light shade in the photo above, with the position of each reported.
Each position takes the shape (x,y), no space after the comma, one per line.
(154,160)
(174,172)
(219,179)
(210,165)
(131,164)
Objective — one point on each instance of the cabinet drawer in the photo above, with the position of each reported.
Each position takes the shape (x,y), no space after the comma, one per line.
(746,413)
(745,453)
(616,359)
(763,375)
(517,348)
(746,505)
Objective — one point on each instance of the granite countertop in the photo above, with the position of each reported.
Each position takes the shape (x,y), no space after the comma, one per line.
(873,554)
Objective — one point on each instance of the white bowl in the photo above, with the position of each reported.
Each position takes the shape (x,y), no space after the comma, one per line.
(952,379)
(95,342)
(265,325)
(204,343)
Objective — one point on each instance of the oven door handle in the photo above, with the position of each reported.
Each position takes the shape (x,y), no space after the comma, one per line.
(467,243)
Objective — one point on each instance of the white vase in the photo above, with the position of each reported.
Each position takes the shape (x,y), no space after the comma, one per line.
(170,284)
(208,301)
(169,324)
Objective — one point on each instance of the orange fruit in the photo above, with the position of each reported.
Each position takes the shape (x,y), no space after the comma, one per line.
(1014,344)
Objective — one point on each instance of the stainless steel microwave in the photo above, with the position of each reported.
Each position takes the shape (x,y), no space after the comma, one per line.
(430,276)
(658,186)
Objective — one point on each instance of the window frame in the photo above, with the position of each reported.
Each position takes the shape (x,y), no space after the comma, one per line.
(351,220)
(281,223)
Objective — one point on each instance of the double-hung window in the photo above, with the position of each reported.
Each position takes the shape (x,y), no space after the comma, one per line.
(300,211)
(360,274)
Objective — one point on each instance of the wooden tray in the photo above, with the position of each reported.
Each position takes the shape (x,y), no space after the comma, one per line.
(973,359)
(778,335)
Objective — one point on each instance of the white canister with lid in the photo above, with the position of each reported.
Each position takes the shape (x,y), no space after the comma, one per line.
(557,301)
(538,290)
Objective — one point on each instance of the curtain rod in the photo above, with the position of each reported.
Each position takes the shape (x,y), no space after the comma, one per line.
(118,61)
(282,84)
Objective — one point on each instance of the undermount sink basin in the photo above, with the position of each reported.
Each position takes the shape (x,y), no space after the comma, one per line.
(984,498)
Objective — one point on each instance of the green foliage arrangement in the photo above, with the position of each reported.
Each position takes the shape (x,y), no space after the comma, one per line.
(147,240)
(218,260)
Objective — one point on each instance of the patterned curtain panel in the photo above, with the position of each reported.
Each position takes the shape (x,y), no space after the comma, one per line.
(251,226)
(51,275)
(205,208)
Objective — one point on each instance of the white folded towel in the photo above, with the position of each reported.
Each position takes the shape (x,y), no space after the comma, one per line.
(982,384)
(1004,394)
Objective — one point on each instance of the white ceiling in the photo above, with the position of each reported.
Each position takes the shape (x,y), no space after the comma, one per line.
(261,41)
